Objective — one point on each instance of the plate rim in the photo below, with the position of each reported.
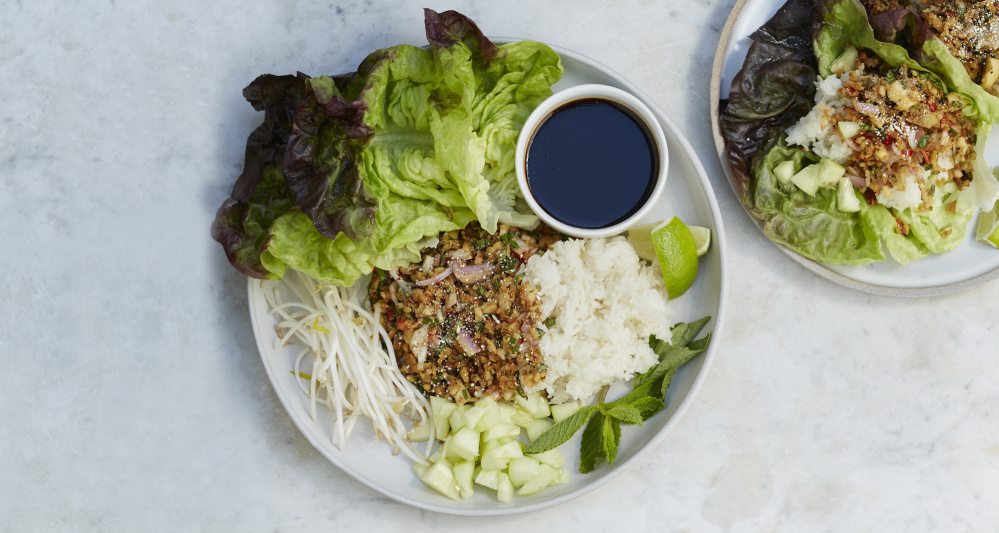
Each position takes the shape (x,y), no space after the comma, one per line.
(708,356)
(823,271)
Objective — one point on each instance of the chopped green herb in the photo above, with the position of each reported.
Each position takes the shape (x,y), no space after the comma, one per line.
(922,142)
(550,321)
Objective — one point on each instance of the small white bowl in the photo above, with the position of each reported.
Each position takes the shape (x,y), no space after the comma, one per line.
(579,92)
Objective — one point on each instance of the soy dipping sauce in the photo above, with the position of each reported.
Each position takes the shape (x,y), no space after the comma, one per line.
(592,163)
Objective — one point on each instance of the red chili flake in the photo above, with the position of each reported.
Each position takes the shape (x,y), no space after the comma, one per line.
(932,104)
(908,153)
(889,140)
(401,324)
(870,197)
(390,314)
(950,13)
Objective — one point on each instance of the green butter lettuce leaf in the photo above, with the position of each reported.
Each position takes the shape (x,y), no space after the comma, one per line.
(415,142)
(810,225)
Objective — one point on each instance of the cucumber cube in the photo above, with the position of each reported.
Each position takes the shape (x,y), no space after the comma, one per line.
(807,179)
(848,129)
(564,410)
(784,171)
(846,197)
(551,458)
(463,474)
(499,457)
(441,410)
(499,431)
(546,476)
(537,427)
(440,477)
(464,444)
(522,418)
(504,489)
(522,469)
(488,478)
(420,433)
(457,419)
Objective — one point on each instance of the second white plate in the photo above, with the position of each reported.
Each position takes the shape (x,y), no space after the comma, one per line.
(971,264)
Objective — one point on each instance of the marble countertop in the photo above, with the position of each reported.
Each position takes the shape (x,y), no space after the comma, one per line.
(133,398)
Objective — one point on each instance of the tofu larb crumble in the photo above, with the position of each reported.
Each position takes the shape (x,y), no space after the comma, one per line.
(909,128)
(465,323)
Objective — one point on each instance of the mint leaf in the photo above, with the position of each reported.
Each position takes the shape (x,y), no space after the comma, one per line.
(648,406)
(675,357)
(591,450)
(626,413)
(667,379)
(611,438)
(556,435)
(684,333)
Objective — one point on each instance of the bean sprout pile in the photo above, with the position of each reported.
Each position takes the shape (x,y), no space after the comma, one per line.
(354,372)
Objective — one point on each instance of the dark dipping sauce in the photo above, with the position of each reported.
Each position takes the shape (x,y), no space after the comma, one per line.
(592,163)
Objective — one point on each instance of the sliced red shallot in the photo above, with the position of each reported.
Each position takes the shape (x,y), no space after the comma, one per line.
(857,181)
(467,342)
(436,279)
(472,274)
(864,107)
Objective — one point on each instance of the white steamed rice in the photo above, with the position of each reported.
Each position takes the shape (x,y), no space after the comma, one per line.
(606,303)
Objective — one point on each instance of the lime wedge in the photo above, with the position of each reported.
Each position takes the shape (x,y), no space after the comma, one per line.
(640,238)
(702,239)
(677,254)
(988,227)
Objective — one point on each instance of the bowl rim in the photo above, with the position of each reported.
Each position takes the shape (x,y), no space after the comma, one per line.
(580,92)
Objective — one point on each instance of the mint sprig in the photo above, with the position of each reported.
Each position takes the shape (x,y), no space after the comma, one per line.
(648,396)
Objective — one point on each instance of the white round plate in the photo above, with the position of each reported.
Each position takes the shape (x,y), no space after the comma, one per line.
(688,195)
(970,265)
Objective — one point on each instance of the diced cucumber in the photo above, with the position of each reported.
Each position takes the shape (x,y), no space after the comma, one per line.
(419,469)
(464,444)
(783,171)
(488,445)
(473,414)
(437,455)
(563,477)
(506,412)
(490,414)
(534,403)
(551,458)
(441,409)
(846,197)
(542,409)
(830,173)
(504,489)
(463,474)
(440,477)
(807,179)
(522,418)
(845,62)
(488,478)
(564,410)
(537,427)
(420,433)
(848,129)
(498,457)
(500,430)
(522,469)
(546,476)
(457,419)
